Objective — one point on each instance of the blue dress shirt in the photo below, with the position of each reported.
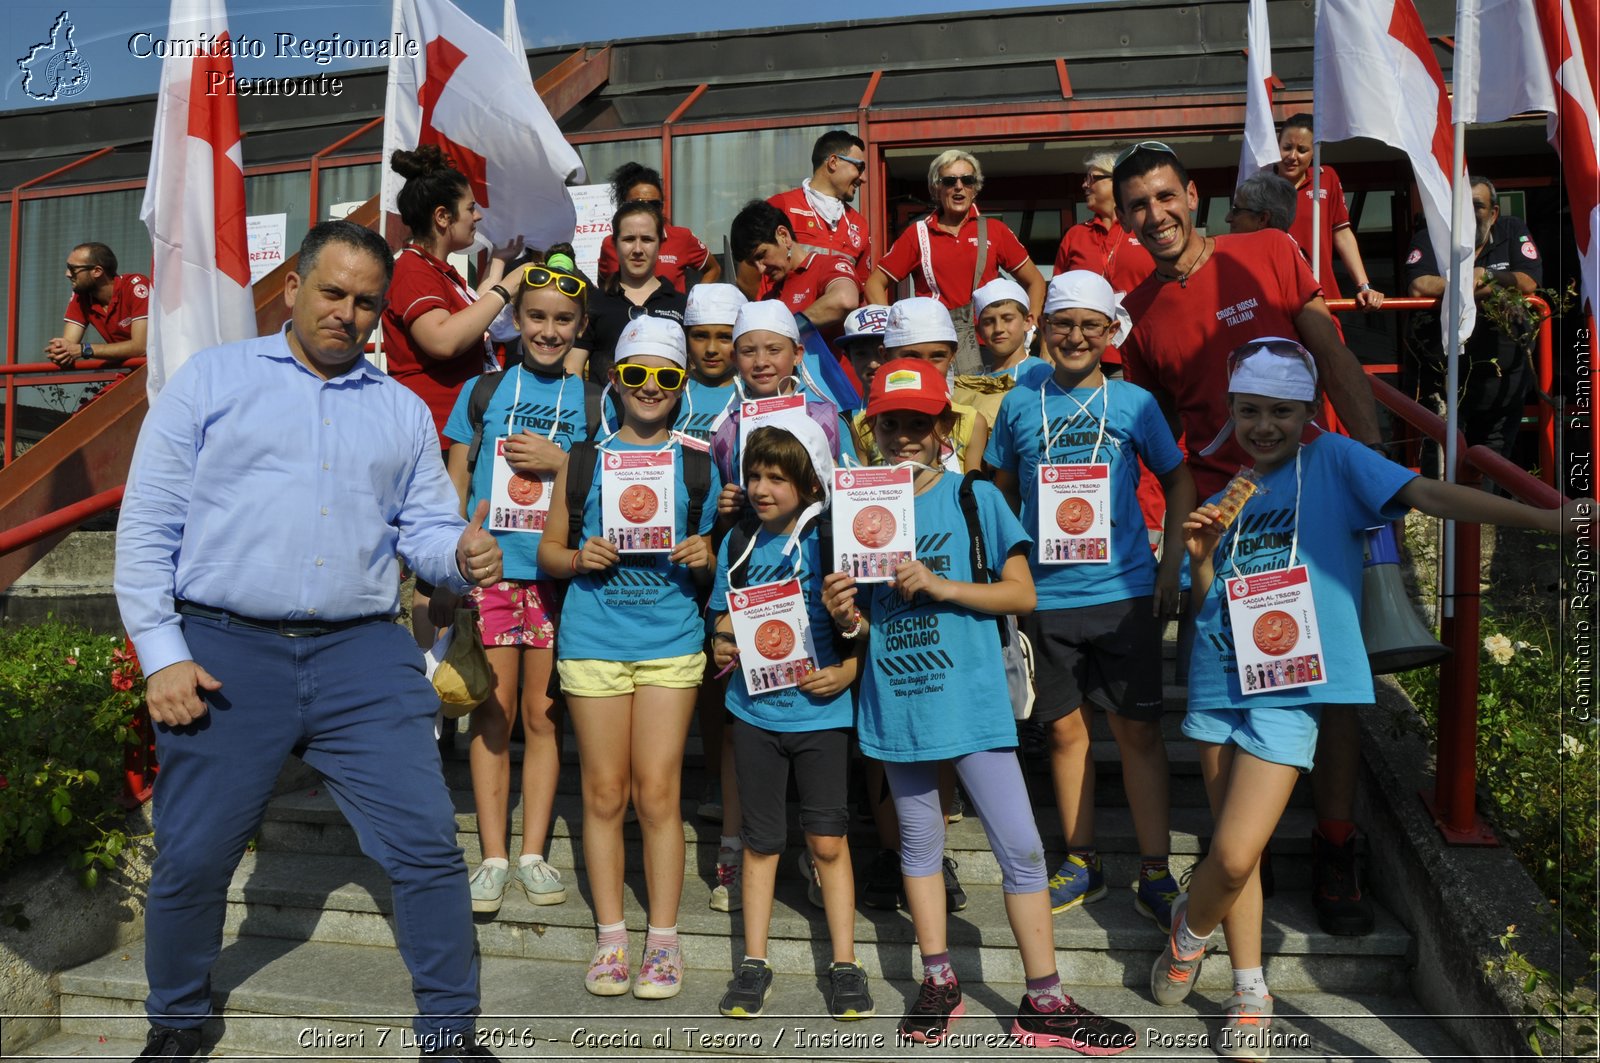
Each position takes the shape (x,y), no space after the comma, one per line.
(260,488)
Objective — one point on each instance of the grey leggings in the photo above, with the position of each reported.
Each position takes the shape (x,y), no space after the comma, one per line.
(992,779)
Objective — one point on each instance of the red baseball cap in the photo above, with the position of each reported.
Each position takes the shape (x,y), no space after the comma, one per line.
(908,384)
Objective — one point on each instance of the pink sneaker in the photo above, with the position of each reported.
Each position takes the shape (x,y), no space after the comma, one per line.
(608,972)
(660,975)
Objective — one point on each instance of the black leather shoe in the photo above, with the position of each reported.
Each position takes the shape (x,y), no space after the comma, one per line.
(451,1047)
(170,1045)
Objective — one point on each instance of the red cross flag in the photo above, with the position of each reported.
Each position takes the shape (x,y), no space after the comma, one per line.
(1260,148)
(467,93)
(1375,75)
(1514,56)
(194,201)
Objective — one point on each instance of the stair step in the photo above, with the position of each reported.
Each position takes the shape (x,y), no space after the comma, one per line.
(346,899)
(538,1009)
(308,821)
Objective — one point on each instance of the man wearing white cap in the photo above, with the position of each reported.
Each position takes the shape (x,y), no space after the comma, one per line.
(1208,295)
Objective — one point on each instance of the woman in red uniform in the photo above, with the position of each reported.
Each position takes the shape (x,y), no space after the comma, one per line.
(1294,144)
(433,325)
(940,253)
(681,250)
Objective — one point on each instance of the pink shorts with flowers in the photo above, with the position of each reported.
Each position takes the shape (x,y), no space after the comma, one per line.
(517,613)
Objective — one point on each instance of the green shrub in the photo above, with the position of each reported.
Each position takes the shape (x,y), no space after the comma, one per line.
(67,697)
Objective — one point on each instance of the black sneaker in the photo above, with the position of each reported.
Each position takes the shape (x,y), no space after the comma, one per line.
(848,998)
(1071,1026)
(446,1047)
(748,992)
(1342,908)
(936,1010)
(955,897)
(168,1043)
(884,889)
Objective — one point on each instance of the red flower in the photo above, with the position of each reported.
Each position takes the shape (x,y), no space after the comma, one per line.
(72,662)
(121,681)
(5,783)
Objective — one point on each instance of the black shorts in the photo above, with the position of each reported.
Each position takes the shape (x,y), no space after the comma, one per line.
(762,760)
(1110,654)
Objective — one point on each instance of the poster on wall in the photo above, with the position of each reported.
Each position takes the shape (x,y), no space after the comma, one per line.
(595,207)
(265,234)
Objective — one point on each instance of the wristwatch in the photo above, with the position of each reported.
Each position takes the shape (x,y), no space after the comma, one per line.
(86,351)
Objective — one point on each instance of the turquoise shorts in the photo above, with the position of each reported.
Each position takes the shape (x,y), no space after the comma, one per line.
(1278,736)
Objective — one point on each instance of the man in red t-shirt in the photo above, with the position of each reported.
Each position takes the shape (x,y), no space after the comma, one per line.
(1208,295)
(822,287)
(819,210)
(117,305)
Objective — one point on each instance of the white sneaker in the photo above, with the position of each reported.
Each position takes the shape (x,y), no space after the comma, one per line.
(541,882)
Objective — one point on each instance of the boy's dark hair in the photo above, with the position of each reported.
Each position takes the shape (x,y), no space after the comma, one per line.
(100,255)
(351,235)
(777,449)
(1141,162)
(756,223)
(1302,120)
(431,183)
(630,175)
(834,142)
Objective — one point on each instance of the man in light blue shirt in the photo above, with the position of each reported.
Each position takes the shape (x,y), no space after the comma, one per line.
(274,484)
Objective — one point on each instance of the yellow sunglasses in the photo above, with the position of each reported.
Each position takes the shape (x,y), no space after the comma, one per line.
(566,283)
(667,377)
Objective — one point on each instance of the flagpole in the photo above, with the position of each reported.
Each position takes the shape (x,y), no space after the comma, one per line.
(1452,403)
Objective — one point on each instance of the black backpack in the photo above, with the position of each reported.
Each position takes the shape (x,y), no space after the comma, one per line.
(981,572)
(483,390)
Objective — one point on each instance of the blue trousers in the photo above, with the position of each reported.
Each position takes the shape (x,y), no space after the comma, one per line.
(356,706)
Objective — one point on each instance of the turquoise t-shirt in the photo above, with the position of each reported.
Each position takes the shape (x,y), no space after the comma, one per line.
(701,406)
(1347,489)
(550,406)
(1031,372)
(643,607)
(934,686)
(788,709)
(1135,429)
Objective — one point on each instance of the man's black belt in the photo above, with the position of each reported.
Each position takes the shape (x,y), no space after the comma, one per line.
(292,629)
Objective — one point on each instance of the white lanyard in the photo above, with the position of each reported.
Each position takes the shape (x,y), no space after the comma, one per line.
(927,258)
(751,545)
(1083,408)
(516,401)
(1294,538)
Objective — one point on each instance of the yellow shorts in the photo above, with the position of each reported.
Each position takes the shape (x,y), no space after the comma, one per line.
(586,678)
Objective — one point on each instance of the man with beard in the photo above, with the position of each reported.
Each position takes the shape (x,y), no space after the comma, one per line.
(1207,296)
(820,211)
(1495,375)
(115,304)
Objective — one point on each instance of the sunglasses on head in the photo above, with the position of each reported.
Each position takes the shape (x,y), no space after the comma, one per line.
(566,283)
(970,180)
(1144,145)
(667,377)
(1272,345)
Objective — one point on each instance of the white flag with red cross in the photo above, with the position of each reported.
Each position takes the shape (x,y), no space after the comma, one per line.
(464,91)
(1375,75)
(1515,56)
(1260,147)
(194,201)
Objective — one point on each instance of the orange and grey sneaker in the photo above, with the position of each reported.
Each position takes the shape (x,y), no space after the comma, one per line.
(1174,973)
(1247,1028)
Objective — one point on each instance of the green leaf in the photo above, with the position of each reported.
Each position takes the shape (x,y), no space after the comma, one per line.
(63,816)
(91,878)
(115,842)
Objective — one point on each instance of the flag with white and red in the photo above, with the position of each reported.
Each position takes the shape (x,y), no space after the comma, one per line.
(466,92)
(1260,147)
(1375,75)
(194,200)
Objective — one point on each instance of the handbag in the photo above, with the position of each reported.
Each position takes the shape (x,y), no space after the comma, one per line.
(463,678)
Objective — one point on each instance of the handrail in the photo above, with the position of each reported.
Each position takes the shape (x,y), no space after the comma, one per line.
(1453,802)
(68,516)
(81,365)
(314,198)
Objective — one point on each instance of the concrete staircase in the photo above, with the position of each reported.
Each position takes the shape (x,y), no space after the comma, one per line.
(309,968)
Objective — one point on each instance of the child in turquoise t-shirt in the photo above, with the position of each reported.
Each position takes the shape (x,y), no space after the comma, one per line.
(532,419)
(780,729)
(934,689)
(1096,634)
(1302,527)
